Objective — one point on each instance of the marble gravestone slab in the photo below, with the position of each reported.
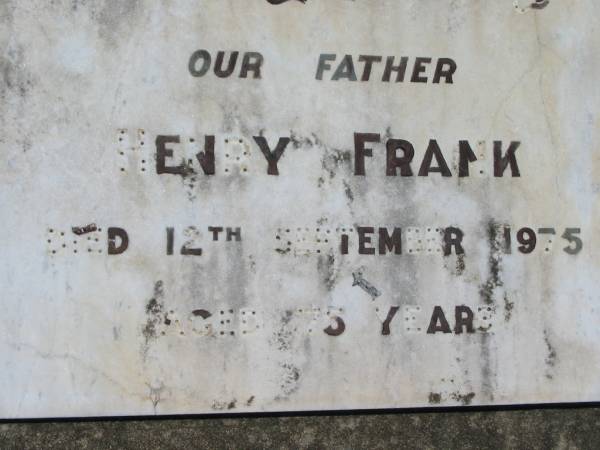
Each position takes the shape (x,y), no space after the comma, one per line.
(225,206)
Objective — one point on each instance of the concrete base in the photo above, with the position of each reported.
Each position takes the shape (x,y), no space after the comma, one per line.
(573,428)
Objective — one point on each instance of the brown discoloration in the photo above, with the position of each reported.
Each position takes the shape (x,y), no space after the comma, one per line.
(14,79)
(365,285)
(460,264)
(464,399)
(488,368)
(486,290)
(283,336)
(201,313)
(279,2)
(220,405)
(488,313)
(252,264)
(535,5)
(291,376)
(550,356)
(154,313)
(508,308)
(334,159)
(539,4)
(155,395)
(304,141)
(348,192)
(435,398)
(326,267)
(89,228)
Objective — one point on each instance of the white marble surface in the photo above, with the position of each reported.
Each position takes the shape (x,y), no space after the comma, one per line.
(88,334)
